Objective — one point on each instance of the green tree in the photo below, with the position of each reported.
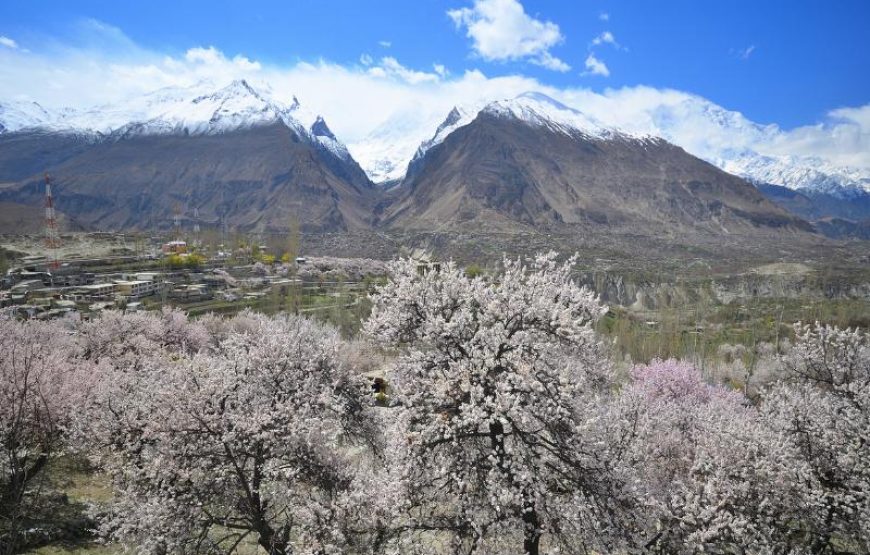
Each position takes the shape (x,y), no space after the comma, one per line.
(194,260)
(175,261)
(473,270)
(293,242)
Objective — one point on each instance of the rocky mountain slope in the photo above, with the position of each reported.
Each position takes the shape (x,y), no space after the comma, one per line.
(725,138)
(533,162)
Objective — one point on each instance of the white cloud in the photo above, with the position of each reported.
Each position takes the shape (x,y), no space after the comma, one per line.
(604,16)
(366,60)
(746,52)
(860,116)
(8,43)
(440,69)
(605,38)
(843,138)
(501,30)
(390,67)
(594,66)
(385,43)
(211,56)
(549,61)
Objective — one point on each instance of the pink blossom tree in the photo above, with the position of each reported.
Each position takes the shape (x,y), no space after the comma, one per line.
(500,385)
(125,339)
(40,384)
(709,477)
(247,440)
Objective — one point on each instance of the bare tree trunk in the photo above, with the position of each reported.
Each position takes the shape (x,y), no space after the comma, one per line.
(274,544)
(529,516)
(531,530)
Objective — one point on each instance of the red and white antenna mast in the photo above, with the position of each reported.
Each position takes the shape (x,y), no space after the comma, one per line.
(52,237)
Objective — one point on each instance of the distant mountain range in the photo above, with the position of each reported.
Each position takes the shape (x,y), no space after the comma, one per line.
(240,158)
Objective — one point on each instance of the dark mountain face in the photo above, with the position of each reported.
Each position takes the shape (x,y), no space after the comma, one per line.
(838,228)
(817,205)
(23,155)
(500,173)
(257,178)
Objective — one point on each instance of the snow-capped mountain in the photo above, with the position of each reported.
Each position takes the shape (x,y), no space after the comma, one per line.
(740,146)
(255,160)
(723,137)
(533,162)
(234,153)
(202,109)
(795,172)
(387,154)
(15,116)
(540,110)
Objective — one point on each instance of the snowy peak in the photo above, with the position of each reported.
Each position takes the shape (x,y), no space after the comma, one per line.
(538,109)
(394,149)
(532,108)
(197,110)
(458,117)
(235,106)
(794,172)
(236,89)
(734,143)
(15,116)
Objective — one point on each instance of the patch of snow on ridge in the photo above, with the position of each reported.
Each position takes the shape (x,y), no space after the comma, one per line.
(459,116)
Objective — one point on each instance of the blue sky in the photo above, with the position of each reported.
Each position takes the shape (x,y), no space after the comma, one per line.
(784,62)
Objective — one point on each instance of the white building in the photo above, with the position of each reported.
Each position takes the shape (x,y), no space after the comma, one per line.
(135,289)
(95,292)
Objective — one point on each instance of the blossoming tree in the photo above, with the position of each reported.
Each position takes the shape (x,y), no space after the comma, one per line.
(709,477)
(40,383)
(823,407)
(498,383)
(245,441)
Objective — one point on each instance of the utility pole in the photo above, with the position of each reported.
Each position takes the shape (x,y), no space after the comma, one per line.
(176,221)
(196,229)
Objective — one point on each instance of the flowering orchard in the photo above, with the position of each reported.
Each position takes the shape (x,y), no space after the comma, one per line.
(507,430)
